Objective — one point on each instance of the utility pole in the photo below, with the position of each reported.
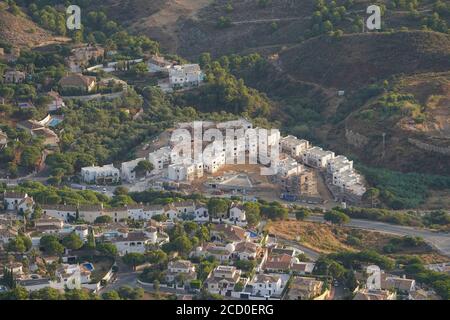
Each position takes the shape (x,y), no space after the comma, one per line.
(384,144)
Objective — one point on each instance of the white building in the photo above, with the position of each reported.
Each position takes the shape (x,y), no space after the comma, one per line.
(237,214)
(317,157)
(17,201)
(135,242)
(223,279)
(246,250)
(159,64)
(144,212)
(127,169)
(339,164)
(185,171)
(266,285)
(101,175)
(288,167)
(201,214)
(214,162)
(294,146)
(89,213)
(186,75)
(62,212)
(180,267)
(349,181)
(160,157)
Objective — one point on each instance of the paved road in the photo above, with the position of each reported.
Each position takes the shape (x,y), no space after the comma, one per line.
(439,240)
(311,254)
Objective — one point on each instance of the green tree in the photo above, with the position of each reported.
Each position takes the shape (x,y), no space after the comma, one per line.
(253,213)
(72,241)
(108,249)
(217,207)
(111,295)
(103,219)
(336,217)
(302,213)
(133,259)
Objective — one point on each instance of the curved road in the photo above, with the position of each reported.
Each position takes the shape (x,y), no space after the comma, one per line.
(438,240)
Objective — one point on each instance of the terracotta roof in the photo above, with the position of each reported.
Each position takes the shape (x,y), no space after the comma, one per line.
(278,262)
(76,80)
(230,232)
(246,246)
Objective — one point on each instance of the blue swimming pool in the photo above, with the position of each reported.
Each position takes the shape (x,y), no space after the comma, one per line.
(88,266)
(54,122)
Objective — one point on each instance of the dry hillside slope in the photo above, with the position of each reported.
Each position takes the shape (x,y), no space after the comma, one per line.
(357,60)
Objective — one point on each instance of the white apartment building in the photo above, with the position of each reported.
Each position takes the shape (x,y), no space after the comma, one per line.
(100,175)
(185,75)
(127,170)
(339,164)
(185,171)
(160,157)
(213,163)
(288,167)
(349,181)
(317,157)
(293,146)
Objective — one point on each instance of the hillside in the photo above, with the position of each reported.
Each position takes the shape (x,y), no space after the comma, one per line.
(190,27)
(356,60)
(414,114)
(20,31)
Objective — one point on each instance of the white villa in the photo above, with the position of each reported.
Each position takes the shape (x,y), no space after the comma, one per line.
(237,214)
(135,242)
(100,175)
(17,201)
(223,279)
(267,285)
(180,267)
(186,75)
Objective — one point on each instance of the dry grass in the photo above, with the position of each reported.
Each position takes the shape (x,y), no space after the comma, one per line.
(326,239)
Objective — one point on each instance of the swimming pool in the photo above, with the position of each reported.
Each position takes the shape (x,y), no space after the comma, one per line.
(89,266)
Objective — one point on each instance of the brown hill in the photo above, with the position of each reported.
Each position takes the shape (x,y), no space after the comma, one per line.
(356,60)
(414,115)
(21,31)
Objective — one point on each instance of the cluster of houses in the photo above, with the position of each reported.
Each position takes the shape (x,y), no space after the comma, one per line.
(182,210)
(296,168)
(339,169)
(390,287)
